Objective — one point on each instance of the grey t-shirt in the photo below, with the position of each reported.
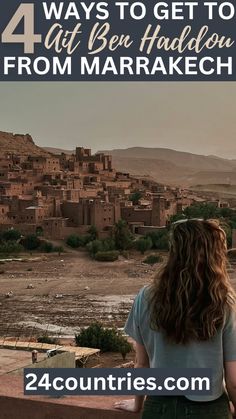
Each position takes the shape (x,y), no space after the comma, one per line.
(208,354)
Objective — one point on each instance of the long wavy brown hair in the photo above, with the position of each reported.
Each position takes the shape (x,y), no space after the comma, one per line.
(190,295)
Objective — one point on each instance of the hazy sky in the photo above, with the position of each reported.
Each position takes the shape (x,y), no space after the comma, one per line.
(195,117)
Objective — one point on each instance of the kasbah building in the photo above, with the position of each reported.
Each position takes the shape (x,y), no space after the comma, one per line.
(59,195)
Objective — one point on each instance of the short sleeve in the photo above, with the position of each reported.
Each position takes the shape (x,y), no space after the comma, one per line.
(229,337)
(132,326)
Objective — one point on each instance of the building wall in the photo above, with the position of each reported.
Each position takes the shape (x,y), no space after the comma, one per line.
(132,215)
(90,212)
(158,212)
(64,360)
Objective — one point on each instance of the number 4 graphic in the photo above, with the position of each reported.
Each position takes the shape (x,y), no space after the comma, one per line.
(28,38)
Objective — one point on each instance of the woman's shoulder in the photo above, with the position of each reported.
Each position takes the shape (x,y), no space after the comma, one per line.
(143,295)
(144,291)
(230,315)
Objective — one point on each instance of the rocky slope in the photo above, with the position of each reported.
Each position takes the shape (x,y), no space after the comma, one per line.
(21,144)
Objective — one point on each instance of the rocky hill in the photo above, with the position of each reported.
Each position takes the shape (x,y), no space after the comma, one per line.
(21,144)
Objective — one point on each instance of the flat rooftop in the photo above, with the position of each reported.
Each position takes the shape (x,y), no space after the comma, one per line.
(13,359)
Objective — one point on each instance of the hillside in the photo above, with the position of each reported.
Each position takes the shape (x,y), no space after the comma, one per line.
(179,158)
(20,144)
(174,167)
(224,190)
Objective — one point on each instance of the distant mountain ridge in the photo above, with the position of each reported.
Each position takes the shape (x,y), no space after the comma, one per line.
(55,150)
(179,158)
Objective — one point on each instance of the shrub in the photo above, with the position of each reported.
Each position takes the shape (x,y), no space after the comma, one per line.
(31,242)
(84,240)
(10,247)
(73,241)
(107,340)
(107,256)
(124,348)
(76,241)
(152,259)
(108,244)
(143,244)
(47,247)
(47,339)
(160,239)
(94,247)
(11,235)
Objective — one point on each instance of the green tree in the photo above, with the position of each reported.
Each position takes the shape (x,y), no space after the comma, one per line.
(135,197)
(47,247)
(11,235)
(228,213)
(94,247)
(93,233)
(122,236)
(143,244)
(73,241)
(31,242)
(202,210)
(10,247)
(160,239)
(108,244)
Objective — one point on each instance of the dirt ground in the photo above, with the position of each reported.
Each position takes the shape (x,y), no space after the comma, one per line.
(58,295)
(69,292)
